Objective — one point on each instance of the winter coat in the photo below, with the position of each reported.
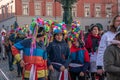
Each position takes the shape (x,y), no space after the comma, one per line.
(112,62)
(58,52)
(92,44)
(38,57)
(79,60)
(104,42)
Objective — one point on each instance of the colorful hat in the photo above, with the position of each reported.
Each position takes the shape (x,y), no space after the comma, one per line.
(37,27)
(57,29)
(60,28)
(64,27)
(48,25)
(75,32)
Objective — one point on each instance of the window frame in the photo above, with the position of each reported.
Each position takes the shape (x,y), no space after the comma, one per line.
(25,4)
(74,9)
(37,9)
(87,5)
(98,5)
(109,12)
(50,13)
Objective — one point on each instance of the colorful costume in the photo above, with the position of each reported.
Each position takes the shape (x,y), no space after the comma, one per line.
(34,53)
(38,59)
(80,62)
(58,55)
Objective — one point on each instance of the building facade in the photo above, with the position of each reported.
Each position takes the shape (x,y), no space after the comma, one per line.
(86,11)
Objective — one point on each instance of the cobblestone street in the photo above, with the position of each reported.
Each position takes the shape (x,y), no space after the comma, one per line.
(4,71)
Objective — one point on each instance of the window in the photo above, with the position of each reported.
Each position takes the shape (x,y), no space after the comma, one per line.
(87,10)
(25,9)
(49,9)
(97,10)
(11,10)
(7,11)
(74,10)
(37,8)
(3,11)
(108,10)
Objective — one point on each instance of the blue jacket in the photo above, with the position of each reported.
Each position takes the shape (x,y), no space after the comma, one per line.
(79,56)
(58,52)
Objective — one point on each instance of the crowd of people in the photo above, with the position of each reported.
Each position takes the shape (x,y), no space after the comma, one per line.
(49,51)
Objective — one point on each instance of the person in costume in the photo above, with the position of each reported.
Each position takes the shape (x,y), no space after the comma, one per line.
(34,61)
(58,55)
(3,35)
(14,38)
(80,60)
(9,53)
(91,44)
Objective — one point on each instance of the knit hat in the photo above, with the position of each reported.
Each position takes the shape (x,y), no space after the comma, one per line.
(94,25)
(100,26)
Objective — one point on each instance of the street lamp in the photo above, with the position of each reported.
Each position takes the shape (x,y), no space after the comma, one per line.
(67,7)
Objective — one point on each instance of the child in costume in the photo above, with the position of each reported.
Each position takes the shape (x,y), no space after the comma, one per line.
(79,55)
(34,60)
(14,38)
(58,55)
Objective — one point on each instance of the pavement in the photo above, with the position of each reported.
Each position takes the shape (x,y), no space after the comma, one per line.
(5,74)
